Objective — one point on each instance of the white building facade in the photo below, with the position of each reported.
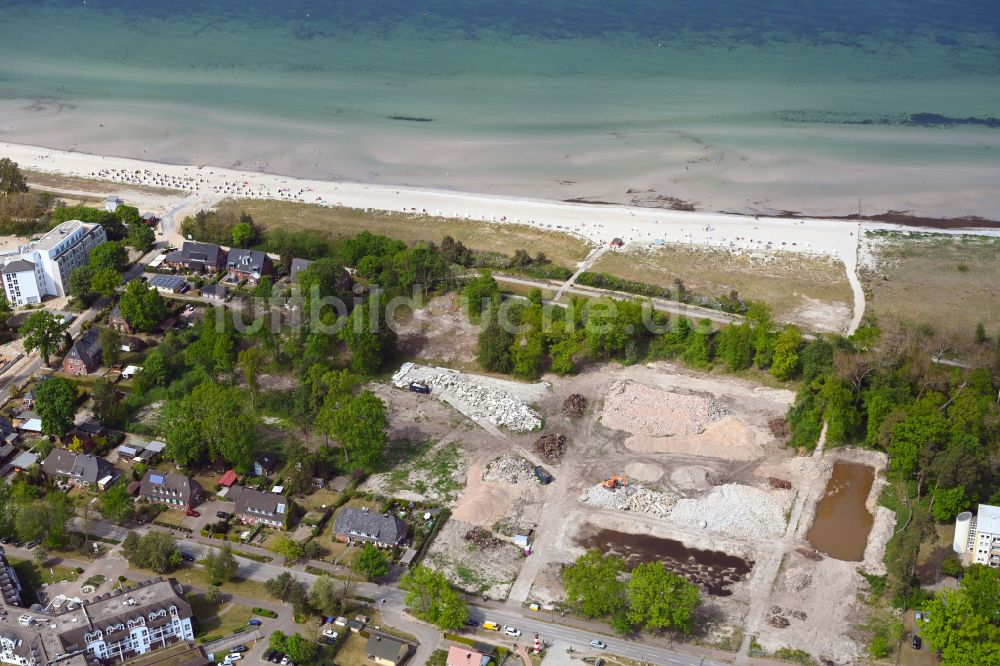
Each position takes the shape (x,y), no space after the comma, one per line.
(42,267)
(980,535)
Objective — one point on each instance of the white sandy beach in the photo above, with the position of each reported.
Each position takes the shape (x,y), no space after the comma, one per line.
(599,224)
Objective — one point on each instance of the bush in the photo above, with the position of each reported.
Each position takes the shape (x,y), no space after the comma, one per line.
(263,612)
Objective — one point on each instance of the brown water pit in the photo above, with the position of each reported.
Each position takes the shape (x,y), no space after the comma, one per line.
(842,523)
(714,571)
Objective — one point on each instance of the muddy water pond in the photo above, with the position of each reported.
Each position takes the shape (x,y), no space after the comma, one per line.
(714,571)
(842,523)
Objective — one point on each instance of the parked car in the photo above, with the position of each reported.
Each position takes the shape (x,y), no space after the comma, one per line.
(420,387)
(239,648)
(30,545)
(512,632)
(192,513)
(234,656)
(491,626)
(267,655)
(471,623)
(222,514)
(5,540)
(917,616)
(275,657)
(916,643)
(330,633)
(284,661)
(600,645)
(187,557)
(927,616)
(254,622)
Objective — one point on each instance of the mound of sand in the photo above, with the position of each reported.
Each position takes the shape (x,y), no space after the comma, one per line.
(729,438)
(481,503)
(644,410)
(641,471)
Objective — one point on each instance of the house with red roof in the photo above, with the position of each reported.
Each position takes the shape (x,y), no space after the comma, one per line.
(228,479)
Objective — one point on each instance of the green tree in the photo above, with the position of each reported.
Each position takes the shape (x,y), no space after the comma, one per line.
(127,215)
(962,634)
(493,352)
(6,311)
(108,405)
(250,361)
(212,422)
(300,650)
(592,584)
(243,234)
(141,237)
(153,550)
(785,363)
(155,367)
(369,338)
(371,563)
(11,178)
(736,346)
(697,351)
(479,293)
(106,281)
(31,521)
(432,599)
(359,425)
(527,353)
(660,599)
(108,255)
(288,548)
(111,346)
(116,503)
(981,337)
(948,503)
(221,565)
(42,330)
(55,402)
(81,283)
(141,306)
(323,595)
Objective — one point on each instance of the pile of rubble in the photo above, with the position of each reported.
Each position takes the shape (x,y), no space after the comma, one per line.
(780,484)
(483,539)
(737,510)
(509,469)
(778,617)
(810,554)
(650,411)
(575,405)
(496,406)
(797,580)
(551,446)
(630,498)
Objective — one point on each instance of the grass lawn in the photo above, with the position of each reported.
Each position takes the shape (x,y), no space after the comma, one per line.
(948,282)
(331,547)
(352,650)
(199,578)
(33,575)
(217,621)
(319,498)
(171,517)
(791,284)
(341,222)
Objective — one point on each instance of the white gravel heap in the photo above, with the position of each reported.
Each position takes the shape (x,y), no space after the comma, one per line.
(629,498)
(498,407)
(509,469)
(651,411)
(735,510)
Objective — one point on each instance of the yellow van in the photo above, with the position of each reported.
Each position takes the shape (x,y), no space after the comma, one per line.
(491,626)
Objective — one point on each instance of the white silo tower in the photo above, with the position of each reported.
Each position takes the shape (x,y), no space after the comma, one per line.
(963,523)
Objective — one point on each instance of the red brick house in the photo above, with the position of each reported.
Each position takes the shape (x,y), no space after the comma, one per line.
(248,265)
(117,321)
(85,355)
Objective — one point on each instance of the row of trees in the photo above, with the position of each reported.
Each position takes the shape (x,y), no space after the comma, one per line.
(526,338)
(652,598)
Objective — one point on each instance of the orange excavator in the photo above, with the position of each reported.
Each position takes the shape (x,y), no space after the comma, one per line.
(615,481)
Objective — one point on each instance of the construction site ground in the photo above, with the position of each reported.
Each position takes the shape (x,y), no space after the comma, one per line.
(788,599)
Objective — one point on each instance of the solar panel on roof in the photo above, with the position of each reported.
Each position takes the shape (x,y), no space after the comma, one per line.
(158,479)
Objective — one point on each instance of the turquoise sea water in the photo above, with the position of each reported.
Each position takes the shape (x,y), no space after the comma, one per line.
(676,96)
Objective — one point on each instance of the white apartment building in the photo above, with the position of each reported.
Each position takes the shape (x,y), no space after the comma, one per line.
(979,535)
(42,267)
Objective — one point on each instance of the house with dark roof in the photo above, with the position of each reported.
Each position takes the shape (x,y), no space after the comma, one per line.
(117,321)
(298,265)
(248,265)
(10,585)
(79,469)
(368,526)
(171,284)
(196,258)
(8,433)
(386,650)
(216,292)
(85,355)
(253,507)
(265,465)
(175,490)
